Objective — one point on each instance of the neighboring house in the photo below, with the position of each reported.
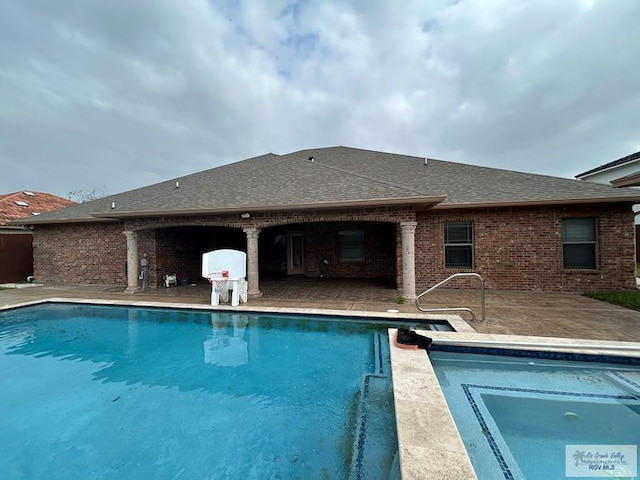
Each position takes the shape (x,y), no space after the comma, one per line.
(624,172)
(370,214)
(16,252)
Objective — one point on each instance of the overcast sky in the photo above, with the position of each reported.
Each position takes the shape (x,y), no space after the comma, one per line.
(107,96)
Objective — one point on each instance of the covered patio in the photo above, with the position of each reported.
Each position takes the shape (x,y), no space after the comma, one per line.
(297,288)
(379,251)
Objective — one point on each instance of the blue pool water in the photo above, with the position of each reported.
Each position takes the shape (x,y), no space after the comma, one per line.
(516,415)
(114,392)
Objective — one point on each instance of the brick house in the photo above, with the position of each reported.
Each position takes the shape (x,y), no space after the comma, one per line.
(16,251)
(411,220)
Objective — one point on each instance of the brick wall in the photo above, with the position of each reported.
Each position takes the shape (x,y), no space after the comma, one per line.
(88,253)
(521,248)
(514,248)
(321,241)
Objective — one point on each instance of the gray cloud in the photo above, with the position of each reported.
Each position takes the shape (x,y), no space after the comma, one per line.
(117,95)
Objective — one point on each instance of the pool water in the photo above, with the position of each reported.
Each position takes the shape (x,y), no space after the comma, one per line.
(516,415)
(114,392)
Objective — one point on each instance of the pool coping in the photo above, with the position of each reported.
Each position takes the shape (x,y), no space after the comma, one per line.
(429,444)
(456,322)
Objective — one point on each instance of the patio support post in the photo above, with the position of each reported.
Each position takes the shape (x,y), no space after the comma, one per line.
(132,262)
(408,259)
(252,262)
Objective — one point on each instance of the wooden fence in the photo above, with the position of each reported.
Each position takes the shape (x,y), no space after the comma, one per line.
(16,256)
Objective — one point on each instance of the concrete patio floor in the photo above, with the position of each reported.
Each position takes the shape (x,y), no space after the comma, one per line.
(560,315)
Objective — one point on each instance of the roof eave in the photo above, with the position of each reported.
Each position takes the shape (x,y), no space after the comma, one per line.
(538,203)
(420,202)
(628,181)
(40,221)
(7,228)
(621,162)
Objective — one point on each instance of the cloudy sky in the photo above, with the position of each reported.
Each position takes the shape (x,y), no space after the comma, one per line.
(107,96)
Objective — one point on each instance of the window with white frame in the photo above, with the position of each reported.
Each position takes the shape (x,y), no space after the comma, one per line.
(579,243)
(458,244)
(351,245)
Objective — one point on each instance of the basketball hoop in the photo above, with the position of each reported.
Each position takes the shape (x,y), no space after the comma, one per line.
(218,281)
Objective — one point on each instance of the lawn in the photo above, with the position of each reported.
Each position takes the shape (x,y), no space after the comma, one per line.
(627,299)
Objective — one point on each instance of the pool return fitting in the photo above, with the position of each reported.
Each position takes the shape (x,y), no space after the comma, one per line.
(454,309)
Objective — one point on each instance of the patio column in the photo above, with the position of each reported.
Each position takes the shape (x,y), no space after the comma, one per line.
(252,262)
(408,259)
(132,262)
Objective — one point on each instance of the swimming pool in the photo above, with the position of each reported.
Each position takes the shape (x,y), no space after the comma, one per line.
(115,392)
(517,414)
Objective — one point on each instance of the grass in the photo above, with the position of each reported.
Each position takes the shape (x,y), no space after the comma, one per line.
(627,299)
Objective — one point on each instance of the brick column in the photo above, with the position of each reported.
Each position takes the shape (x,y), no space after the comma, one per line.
(252,262)
(408,259)
(132,262)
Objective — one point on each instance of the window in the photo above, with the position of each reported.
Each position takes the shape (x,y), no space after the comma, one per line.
(458,245)
(579,242)
(351,245)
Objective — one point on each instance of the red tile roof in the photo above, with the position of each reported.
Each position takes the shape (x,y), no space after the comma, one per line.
(27,204)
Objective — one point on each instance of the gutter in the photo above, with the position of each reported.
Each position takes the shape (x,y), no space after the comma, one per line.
(534,203)
(424,202)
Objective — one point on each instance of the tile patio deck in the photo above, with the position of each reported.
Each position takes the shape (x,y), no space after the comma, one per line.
(562,315)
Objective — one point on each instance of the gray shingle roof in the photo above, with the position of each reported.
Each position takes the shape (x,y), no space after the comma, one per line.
(339,176)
